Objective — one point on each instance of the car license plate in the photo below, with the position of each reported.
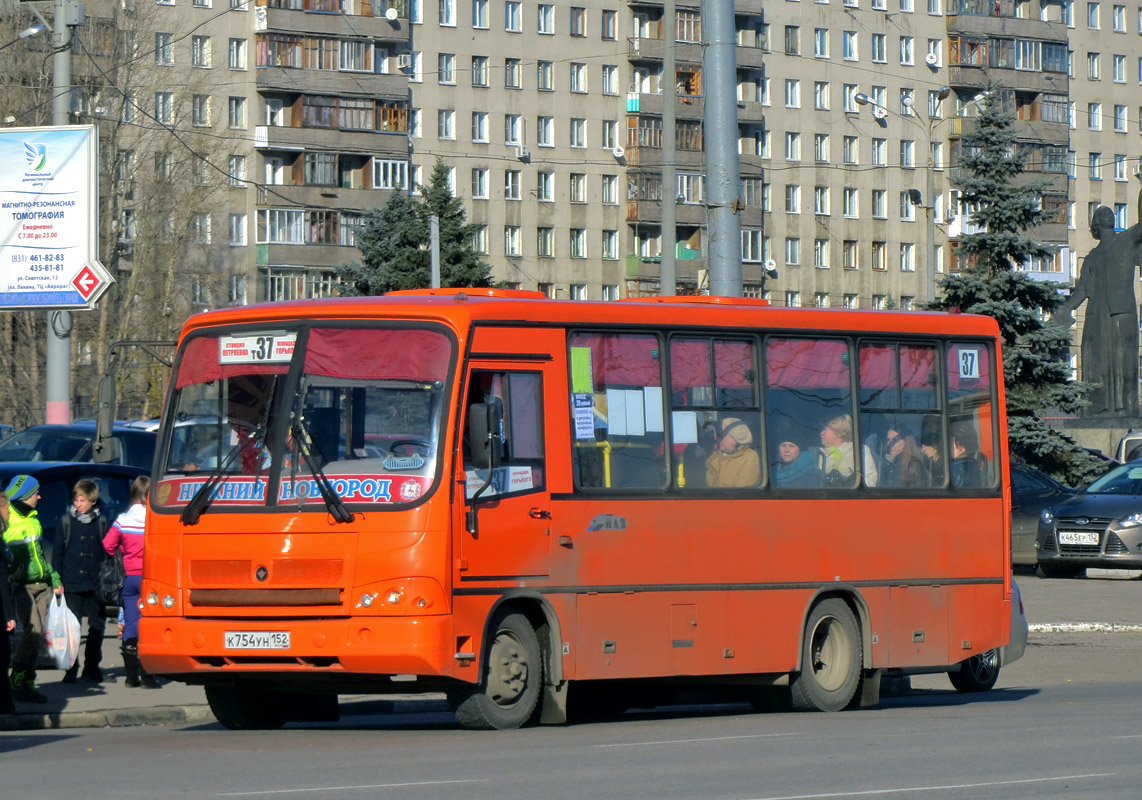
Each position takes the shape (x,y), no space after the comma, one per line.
(1078,537)
(257,640)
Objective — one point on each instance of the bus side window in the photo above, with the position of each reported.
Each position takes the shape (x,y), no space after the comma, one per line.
(971,441)
(617,410)
(519,398)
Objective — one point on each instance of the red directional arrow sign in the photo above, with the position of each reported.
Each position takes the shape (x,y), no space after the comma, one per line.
(86,282)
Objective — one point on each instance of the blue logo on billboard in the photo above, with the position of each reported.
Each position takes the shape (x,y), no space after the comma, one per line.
(37,155)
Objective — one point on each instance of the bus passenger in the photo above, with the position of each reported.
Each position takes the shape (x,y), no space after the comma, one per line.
(966,468)
(735,463)
(904,464)
(794,466)
(835,458)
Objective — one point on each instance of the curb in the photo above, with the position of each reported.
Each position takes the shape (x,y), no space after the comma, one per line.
(113,718)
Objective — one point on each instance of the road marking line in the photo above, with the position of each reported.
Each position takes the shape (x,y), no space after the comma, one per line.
(948,787)
(1131,736)
(690,741)
(345,788)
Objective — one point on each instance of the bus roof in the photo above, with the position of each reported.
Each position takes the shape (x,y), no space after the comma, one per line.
(459,308)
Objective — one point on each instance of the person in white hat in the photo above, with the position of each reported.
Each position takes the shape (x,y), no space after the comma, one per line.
(735,463)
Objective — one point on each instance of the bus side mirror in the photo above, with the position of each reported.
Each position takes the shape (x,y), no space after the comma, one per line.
(106,448)
(485,434)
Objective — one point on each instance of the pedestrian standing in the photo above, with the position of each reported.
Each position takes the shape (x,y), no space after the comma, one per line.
(36,581)
(77,556)
(127,535)
(7,610)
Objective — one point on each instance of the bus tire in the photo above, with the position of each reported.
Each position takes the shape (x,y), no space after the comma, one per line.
(244,708)
(830,659)
(513,677)
(976,674)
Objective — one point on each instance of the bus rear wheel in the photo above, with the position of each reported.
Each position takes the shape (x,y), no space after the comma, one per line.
(513,676)
(246,708)
(830,659)
(976,674)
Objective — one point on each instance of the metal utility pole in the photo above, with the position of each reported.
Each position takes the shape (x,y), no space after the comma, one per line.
(668,278)
(719,69)
(57,354)
(434,248)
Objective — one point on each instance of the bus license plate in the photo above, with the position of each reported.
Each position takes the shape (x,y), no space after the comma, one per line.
(257,640)
(1078,537)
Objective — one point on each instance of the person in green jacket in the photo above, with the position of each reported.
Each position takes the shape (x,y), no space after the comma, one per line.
(35,581)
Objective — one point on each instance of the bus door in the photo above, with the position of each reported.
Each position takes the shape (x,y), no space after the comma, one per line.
(506,529)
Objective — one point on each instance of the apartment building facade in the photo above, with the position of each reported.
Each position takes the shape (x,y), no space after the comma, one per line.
(852,117)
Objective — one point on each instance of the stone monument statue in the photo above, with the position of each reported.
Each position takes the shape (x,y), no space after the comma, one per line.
(1110,330)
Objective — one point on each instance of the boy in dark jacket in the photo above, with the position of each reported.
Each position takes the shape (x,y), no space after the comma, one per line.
(77,557)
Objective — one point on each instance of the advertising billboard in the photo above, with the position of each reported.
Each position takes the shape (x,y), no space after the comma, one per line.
(49,202)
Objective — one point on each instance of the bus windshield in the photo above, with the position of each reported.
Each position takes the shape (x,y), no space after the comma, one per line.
(263,418)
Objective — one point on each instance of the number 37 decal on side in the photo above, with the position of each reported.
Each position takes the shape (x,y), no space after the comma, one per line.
(264,348)
(969,363)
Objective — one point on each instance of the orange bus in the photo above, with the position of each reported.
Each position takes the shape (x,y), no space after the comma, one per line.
(538,506)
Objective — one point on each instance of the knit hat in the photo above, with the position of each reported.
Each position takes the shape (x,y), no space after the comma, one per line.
(22,487)
(786,431)
(732,426)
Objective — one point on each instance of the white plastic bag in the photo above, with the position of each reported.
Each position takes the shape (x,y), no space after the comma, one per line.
(61,634)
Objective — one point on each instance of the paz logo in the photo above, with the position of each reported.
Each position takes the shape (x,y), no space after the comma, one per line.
(37,155)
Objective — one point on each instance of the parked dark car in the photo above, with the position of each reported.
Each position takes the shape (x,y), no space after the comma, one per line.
(57,479)
(74,443)
(1101,526)
(1031,492)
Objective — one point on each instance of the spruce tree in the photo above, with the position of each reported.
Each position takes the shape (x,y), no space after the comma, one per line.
(1035,353)
(394,244)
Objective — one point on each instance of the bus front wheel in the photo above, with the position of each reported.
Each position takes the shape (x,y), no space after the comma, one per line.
(513,676)
(976,674)
(242,708)
(830,659)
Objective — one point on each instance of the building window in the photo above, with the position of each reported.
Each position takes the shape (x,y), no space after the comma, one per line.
(578,77)
(480,71)
(907,207)
(513,73)
(610,79)
(907,153)
(879,204)
(480,14)
(513,16)
(545,242)
(821,299)
(238,230)
(792,146)
(821,147)
(578,185)
(511,184)
(1094,116)
(545,131)
(1094,162)
(163,53)
(610,25)
(479,183)
(850,149)
(578,240)
(849,257)
(480,126)
(445,124)
(850,300)
(545,19)
(236,55)
(448,13)
(1092,16)
(236,112)
(545,187)
(578,21)
(480,238)
(200,51)
(1120,119)
(200,110)
(792,40)
(821,95)
(610,133)
(792,93)
(880,48)
(850,202)
(512,129)
(907,51)
(1119,67)
(1092,66)
(907,257)
(578,133)
(792,251)
(200,227)
(445,73)
(849,45)
(821,201)
(793,299)
(610,190)
(821,253)
(751,245)
(792,199)
(236,171)
(511,240)
(821,43)
(879,152)
(544,76)
(1120,169)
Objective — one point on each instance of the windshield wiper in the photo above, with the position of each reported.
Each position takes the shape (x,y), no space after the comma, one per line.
(332,502)
(201,500)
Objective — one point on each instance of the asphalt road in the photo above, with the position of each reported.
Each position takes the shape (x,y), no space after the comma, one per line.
(1061,722)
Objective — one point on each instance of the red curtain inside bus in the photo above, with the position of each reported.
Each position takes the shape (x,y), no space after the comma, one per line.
(199,364)
(690,364)
(801,363)
(622,359)
(402,354)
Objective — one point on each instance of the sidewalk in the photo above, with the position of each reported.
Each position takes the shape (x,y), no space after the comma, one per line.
(87,705)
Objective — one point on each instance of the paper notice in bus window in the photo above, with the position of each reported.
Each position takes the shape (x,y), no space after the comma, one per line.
(581,370)
(584,415)
(685,425)
(652,407)
(636,419)
(969,363)
(616,412)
